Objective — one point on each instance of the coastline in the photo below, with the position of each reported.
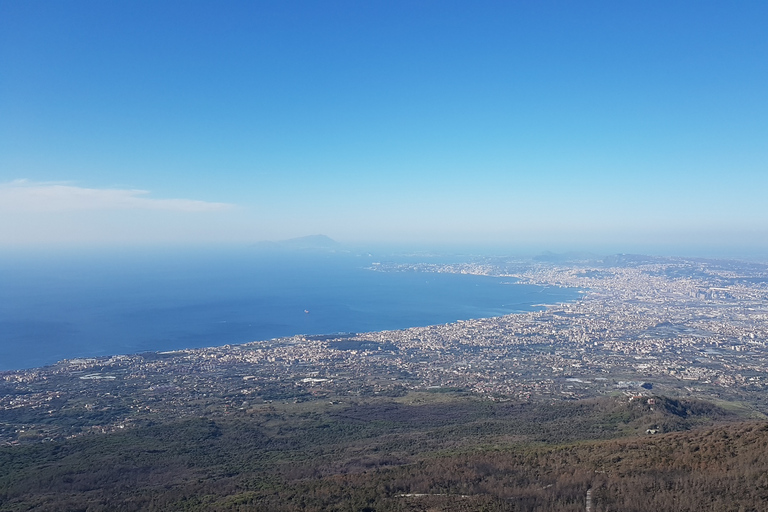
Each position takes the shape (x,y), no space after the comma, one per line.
(387,301)
(635,331)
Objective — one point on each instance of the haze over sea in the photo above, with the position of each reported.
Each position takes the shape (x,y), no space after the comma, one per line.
(113,303)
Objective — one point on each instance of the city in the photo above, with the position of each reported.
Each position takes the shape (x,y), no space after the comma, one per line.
(642,327)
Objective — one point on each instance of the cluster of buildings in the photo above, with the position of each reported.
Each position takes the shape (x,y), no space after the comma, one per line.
(667,326)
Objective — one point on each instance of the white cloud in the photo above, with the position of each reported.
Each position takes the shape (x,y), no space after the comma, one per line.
(26,196)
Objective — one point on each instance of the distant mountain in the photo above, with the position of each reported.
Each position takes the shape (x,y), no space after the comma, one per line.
(303,243)
(567,257)
(631,260)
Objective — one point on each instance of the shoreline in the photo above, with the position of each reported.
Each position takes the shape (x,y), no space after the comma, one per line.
(397,308)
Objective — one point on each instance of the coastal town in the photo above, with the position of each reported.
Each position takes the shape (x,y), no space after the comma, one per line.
(642,326)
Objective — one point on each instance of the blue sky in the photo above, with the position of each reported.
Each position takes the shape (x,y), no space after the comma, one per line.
(543,124)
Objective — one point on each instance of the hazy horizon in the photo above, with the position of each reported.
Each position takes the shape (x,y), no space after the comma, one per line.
(464,252)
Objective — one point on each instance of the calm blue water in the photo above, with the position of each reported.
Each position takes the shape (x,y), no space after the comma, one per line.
(77,306)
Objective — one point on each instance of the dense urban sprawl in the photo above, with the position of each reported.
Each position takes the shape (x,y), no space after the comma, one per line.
(642,325)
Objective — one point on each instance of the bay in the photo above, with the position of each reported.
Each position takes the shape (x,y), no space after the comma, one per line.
(66,306)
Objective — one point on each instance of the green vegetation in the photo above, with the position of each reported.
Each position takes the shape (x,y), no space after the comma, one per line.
(443,450)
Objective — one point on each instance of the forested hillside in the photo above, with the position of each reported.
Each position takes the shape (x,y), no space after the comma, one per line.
(424,451)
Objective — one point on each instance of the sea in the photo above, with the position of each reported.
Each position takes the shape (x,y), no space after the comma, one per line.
(72,305)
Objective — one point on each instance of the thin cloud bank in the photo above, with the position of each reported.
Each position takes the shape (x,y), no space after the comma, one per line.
(26,196)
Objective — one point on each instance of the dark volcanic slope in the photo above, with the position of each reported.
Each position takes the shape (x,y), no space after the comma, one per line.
(424,451)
